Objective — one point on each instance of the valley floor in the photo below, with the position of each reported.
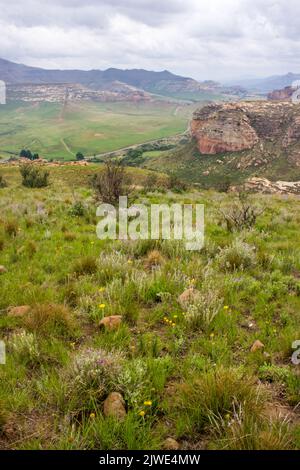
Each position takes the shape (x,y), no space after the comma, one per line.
(211,371)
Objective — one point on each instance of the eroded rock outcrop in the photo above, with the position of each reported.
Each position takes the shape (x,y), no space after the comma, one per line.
(234,127)
(263,185)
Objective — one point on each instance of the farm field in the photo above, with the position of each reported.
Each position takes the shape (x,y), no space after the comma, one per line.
(208,370)
(59,133)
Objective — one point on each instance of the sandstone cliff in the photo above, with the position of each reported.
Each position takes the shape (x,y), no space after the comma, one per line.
(234,127)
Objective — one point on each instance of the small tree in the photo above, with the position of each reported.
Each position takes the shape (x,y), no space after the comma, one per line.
(109,184)
(79,156)
(33,177)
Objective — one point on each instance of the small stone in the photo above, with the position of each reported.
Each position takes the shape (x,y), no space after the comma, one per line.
(3,270)
(257,346)
(20,311)
(171,444)
(111,323)
(114,405)
(188,297)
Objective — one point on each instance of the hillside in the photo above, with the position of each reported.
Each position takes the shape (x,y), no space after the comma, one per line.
(237,140)
(198,353)
(133,81)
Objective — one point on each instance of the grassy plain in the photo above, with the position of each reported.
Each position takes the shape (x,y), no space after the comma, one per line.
(185,372)
(92,128)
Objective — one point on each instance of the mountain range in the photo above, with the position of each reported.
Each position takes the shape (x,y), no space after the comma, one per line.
(162,83)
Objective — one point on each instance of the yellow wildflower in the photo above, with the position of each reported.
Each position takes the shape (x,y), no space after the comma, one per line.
(148,403)
(142,413)
(92,416)
(226,307)
(102,306)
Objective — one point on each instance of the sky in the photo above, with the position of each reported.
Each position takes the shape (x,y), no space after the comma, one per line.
(211,39)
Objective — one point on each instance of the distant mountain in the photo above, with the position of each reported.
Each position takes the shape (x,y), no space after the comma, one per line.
(266,85)
(162,83)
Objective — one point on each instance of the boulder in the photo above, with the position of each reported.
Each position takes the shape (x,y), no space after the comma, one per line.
(171,444)
(114,405)
(20,311)
(188,297)
(111,323)
(257,346)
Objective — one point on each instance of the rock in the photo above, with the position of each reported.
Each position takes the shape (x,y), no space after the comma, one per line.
(263,185)
(222,128)
(282,95)
(111,323)
(20,311)
(257,346)
(3,270)
(171,444)
(114,405)
(188,297)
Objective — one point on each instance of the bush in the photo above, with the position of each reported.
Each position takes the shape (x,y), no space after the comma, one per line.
(3,183)
(86,265)
(33,177)
(50,319)
(239,255)
(242,215)
(77,210)
(176,185)
(110,183)
(11,227)
(24,346)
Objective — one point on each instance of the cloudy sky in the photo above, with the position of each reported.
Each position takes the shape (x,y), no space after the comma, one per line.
(215,39)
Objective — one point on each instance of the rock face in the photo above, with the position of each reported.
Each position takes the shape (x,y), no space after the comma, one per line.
(220,129)
(263,185)
(234,127)
(281,95)
(114,405)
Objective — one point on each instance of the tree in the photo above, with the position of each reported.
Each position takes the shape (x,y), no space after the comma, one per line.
(79,156)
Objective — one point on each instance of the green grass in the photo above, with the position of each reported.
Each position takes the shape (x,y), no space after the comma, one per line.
(190,370)
(91,128)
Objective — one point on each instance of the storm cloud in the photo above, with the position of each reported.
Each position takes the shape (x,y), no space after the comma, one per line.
(219,39)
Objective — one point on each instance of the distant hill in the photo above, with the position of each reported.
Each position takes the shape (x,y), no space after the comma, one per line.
(267,85)
(162,83)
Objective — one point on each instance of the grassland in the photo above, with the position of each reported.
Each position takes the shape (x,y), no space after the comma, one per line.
(91,128)
(185,373)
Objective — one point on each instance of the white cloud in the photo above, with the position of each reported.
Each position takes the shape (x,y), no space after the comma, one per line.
(218,39)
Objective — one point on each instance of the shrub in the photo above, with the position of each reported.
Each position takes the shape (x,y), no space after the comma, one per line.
(239,255)
(77,210)
(154,259)
(243,214)
(33,177)
(87,265)
(216,393)
(3,183)
(110,183)
(50,319)
(11,227)
(24,346)
(207,304)
(176,185)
